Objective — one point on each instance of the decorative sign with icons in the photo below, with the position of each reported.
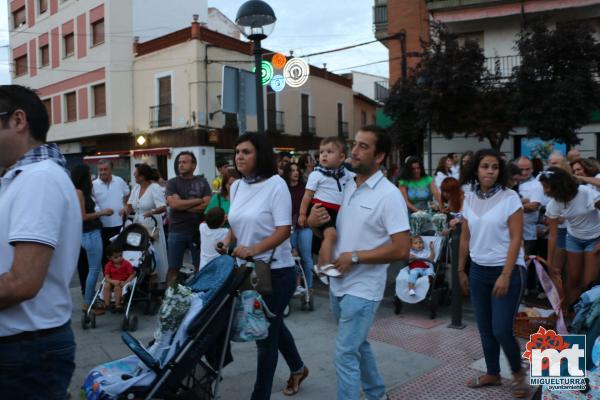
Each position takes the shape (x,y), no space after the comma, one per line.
(295,72)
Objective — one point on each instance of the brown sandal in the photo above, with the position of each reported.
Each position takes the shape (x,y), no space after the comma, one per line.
(293,383)
(519,386)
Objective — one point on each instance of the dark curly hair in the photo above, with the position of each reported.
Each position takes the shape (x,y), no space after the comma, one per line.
(470,176)
(407,172)
(562,186)
(81,178)
(147,172)
(287,172)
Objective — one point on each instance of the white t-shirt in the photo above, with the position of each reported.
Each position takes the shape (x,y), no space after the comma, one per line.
(256,210)
(597,188)
(369,215)
(534,191)
(455,171)
(488,225)
(581,213)
(110,196)
(40,205)
(326,188)
(208,242)
(439,178)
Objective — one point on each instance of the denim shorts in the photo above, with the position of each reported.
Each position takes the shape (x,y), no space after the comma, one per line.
(575,245)
(561,238)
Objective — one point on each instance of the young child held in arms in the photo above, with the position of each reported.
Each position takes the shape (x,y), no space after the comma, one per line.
(418,268)
(117,273)
(325,186)
(211,233)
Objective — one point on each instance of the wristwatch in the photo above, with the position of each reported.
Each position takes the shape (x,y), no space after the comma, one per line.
(355,257)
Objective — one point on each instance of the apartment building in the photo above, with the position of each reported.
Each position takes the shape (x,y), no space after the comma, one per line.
(495,25)
(78,55)
(178,87)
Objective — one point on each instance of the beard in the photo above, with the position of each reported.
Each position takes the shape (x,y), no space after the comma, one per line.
(363,168)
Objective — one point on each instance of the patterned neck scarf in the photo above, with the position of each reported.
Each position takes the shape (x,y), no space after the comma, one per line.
(47,151)
(252,179)
(336,174)
(489,193)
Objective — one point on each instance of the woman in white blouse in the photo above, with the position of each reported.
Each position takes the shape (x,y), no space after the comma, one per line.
(260,216)
(147,200)
(579,205)
(492,234)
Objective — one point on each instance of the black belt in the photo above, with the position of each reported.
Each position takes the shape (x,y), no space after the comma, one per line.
(32,335)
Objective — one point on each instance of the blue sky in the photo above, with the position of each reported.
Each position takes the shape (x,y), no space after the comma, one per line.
(304,27)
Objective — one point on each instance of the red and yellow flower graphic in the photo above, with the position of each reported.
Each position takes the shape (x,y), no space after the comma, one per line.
(544,339)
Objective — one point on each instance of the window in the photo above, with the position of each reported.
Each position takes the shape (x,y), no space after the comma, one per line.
(42,6)
(44,56)
(71,107)
(472,36)
(19,17)
(98,32)
(99,93)
(363,118)
(21,65)
(69,44)
(48,105)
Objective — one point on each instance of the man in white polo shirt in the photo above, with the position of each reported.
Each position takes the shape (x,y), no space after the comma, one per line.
(110,192)
(40,234)
(372,227)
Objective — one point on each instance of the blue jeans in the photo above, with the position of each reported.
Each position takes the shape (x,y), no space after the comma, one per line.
(576,245)
(416,273)
(39,369)
(92,243)
(354,361)
(496,316)
(302,241)
(177,244)
(280,339)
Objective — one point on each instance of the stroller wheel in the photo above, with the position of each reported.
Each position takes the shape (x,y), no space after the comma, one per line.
(93,320)
(397,305)
(286,311)
(84,321)
(130,323)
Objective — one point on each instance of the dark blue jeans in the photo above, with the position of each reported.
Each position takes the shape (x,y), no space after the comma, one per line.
(496,316)
(177,244)
(280,339)
(39,368)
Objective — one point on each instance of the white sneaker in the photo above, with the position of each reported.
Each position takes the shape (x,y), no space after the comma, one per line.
(299,291)
(330,270)
(412,292)
(320,275)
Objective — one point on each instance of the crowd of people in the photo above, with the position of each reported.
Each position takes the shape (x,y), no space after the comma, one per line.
(272,208)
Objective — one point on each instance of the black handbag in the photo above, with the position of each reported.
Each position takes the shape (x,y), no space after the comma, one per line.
(260,278)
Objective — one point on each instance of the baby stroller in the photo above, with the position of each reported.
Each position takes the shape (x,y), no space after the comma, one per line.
(189,365)
(137,249)
(304,294)
(435,289)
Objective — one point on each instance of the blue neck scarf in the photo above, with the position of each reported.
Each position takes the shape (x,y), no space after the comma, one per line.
(484,196)
(336,173)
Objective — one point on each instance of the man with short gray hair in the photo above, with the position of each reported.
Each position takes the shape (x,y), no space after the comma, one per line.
(110,192)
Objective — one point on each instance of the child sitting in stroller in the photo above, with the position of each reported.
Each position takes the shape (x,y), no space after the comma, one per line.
(417,267)
(117,273)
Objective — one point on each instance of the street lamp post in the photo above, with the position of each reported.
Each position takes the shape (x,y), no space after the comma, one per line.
(256,20)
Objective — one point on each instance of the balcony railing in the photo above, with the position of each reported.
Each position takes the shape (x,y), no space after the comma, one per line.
(502,66)
(343,129)
(380,19)
(161,116)
(275,121)
(381,91)
(436,5)
(309,126)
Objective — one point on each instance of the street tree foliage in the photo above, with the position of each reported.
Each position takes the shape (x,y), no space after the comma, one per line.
(552,92)
(556,83)
(450,89)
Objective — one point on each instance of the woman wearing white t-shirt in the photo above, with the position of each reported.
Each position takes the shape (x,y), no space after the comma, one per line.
(492,234)
(260,216)
(147,202)
(578,205)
